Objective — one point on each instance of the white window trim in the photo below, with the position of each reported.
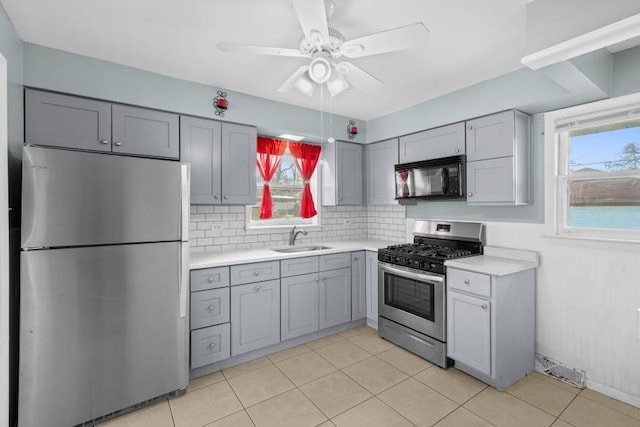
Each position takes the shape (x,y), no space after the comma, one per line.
(311,224)
(555,179)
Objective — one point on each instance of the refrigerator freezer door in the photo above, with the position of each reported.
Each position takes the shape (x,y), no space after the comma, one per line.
(73,198)
(100,331)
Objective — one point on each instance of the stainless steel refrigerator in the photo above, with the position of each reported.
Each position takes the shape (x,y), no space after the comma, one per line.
(103,288)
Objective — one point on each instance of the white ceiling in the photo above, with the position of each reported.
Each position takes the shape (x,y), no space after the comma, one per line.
(470,41)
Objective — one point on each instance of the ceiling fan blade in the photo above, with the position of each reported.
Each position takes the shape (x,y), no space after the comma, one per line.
(289,84)
(401,38)
(313,19)
(259,50)
(358,77)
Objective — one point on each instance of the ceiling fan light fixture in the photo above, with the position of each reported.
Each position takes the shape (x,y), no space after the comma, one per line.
(320,68)
(337,84)
(304,85)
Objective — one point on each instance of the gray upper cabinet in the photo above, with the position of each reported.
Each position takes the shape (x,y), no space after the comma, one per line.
(223,161)
(86,124)
(145,132)
(444,141)
(498,159)
(358,286)
(342,178)
(67,121)
(380,158)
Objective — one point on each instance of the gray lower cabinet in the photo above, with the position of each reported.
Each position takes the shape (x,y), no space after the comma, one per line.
(358,285)
(444,141)
(335,297)
(380,159)
(72,122)
(210,307)
(491,324)
(209,345)
(372,287)
(299,309)
(342,178)
(255,316)
(498,156)
(223,161)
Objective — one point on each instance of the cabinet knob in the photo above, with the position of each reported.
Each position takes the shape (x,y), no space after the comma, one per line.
(104,141)
(211,308)
(118,144)
(210,279)
(339,199)
(256,273)
(226,196)
(324,279)
(212,346)
(257,288)
(457,150)
(355,258)
(470,195)
(466,282)
(317,280)
(217,196)
(469,127)
(484,306)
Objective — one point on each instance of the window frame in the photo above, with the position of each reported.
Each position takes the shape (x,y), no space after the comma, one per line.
(556,169)
(276,225)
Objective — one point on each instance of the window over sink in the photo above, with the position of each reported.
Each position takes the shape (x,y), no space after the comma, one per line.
(593,170)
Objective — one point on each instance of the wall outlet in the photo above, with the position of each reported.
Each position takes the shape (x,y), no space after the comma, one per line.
(346,221)
(217,226)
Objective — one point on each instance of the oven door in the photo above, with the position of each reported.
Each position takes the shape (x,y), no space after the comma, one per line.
(412,298)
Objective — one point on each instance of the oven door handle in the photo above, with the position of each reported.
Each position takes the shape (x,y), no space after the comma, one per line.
(410,274)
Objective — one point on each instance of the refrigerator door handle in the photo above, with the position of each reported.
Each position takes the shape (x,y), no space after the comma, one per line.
(185,200)
(184,278)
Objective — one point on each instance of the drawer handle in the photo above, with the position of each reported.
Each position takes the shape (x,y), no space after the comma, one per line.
(256,273)
(257,288)
(212,346)
(210,279)
(118,144)
(211,308)
(484,306)
(104,141)
(470,195)
(466,282)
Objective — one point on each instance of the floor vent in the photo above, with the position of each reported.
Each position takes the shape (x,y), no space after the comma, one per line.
(560,371)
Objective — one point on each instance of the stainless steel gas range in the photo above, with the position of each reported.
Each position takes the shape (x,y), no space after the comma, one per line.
(412,286)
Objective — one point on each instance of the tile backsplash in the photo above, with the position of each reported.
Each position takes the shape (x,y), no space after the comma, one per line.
(216,228)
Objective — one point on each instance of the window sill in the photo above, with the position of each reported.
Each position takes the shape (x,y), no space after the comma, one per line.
(569,237)
(269,229)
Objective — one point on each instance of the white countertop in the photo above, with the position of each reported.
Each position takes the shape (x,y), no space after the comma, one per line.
(497,261)
(245,256)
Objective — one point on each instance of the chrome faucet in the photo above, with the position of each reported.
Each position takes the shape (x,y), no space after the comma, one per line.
(293,234)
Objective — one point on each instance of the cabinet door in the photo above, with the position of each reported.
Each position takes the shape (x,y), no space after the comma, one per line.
(444,141)
(372,285)
(238,155)
(299,305)
(358,286)
(469,331)
(335,297)
(145,132)
(491,136)
(209,345)
(67,121)
(380,158)
(200,145)
(491,181)
(255,316)
(349,173)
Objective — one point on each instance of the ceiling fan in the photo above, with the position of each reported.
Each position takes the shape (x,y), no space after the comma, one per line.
(326,48)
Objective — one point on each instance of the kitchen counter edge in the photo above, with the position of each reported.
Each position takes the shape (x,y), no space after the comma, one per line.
(498,261)
(201,260)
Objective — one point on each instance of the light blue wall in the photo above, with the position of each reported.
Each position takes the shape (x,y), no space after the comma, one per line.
(12,50)
(67,72)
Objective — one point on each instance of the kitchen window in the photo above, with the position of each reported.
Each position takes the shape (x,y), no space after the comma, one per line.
(286,193)
(592,162)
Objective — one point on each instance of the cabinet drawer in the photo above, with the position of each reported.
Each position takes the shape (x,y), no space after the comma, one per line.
(257,272)
(469,282)
(209,278)
(334,261)
(210,345)
(298,266)
(209,307)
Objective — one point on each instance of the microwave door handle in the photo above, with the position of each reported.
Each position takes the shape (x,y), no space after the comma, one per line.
(445,181)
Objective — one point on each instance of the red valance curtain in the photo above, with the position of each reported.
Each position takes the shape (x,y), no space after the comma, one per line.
(269,155)
(306,156)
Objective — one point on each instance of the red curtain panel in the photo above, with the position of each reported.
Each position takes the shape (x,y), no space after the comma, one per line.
(269,155)
(306,156)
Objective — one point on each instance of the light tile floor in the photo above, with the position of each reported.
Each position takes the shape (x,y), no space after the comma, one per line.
(354,379)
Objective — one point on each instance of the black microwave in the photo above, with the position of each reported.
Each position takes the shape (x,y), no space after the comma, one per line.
(442,179)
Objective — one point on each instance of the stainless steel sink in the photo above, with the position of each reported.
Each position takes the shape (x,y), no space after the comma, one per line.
(296,249)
